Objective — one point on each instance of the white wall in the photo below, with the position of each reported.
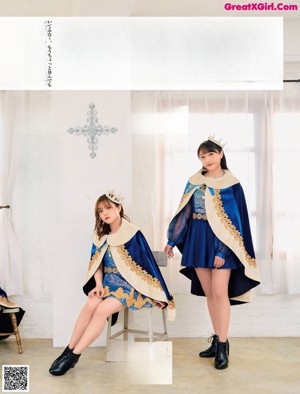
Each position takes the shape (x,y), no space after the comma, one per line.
(55,192)
(267,316)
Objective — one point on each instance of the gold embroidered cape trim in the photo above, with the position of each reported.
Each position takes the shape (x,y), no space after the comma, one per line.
(141,280)
(93,259)
(138,302)
(95,263)
(124,260)
(218,222)
(229,226)
(137,269)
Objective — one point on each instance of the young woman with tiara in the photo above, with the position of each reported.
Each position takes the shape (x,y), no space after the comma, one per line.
(211,230)
(122,273)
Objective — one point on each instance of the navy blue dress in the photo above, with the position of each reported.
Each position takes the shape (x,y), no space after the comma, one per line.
(116,286)
(200,243)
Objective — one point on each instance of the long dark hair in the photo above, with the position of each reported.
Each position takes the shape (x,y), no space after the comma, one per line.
(210,146)
(100,227)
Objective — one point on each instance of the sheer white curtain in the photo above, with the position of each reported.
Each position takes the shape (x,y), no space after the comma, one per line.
(286,121)
(10,259)
(177,122)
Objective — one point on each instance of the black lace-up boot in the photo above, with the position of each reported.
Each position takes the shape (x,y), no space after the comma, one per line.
(211,351)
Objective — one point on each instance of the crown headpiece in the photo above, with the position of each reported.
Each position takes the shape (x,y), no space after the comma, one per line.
(219,142)
(114,197)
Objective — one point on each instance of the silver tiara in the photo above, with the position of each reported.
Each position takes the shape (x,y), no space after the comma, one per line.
(219,142)
(114,197)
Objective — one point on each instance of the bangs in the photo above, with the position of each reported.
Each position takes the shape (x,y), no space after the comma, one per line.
(104,199)
(208,146)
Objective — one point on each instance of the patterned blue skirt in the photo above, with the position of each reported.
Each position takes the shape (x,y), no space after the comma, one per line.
(200,248)
(117,287)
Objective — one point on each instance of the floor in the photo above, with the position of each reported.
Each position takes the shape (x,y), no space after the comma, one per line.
(257,365)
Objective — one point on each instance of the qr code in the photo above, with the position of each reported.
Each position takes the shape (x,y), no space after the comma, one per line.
(15,378)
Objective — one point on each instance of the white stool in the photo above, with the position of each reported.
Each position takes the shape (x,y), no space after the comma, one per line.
(161,259)
(149,334)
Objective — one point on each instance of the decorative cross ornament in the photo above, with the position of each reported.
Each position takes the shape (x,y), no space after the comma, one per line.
(92,130)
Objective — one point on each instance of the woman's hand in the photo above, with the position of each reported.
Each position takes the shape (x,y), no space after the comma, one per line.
(169,250)
(160,304)
(97,291)
(218,262)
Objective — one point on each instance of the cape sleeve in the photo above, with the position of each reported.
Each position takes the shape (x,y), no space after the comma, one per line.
(179,225)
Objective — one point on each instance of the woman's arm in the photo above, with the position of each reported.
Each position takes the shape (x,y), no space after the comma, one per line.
(221,249)
(98,290)
(179,225)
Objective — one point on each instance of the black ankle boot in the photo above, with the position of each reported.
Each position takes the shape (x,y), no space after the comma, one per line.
(66,351)
(63,364)
(222,353)
(211,351)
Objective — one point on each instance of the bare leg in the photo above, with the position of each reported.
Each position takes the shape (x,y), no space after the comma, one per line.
(96,324)
(83,320)
(215,286)
(220,279)
(205,278)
